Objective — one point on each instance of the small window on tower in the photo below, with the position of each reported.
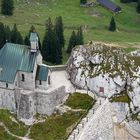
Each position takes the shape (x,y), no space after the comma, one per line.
(23,78)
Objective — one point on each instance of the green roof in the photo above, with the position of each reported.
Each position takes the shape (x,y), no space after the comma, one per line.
(42,73)
(33,37)
(13,58)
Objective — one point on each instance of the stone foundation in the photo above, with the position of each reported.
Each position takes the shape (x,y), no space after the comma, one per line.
(29,103)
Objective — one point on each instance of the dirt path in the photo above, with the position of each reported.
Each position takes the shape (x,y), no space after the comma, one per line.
(13,135)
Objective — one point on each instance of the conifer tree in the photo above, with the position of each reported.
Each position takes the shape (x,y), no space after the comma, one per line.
(51,49)
(138,7)
(2,35)
(26,40)
(60,30)
(83,1)
(72,42)
(55,52)
(16,36)
(80,40)
(60,34)
(7,34)
(46,44)
(7,7)
(112,26)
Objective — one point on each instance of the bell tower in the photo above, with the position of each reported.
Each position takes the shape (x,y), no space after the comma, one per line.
(34,42)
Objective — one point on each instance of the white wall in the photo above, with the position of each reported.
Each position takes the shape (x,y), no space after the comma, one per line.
(44,84)
(7,99)
(29,80)
(47,102)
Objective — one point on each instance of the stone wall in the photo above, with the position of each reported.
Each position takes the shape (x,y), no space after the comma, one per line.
(46,102)
(57,68)
(7,99)
(44,84)
(29,103)
(26,107)
(29,80)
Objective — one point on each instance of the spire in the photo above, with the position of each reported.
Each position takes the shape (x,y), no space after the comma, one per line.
(34,41)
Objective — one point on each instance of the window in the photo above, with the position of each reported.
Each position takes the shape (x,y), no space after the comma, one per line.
(6,85)
(40,82)
(101,89)
(23,78)
(49,82)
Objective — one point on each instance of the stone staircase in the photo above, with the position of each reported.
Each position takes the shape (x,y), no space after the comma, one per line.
(80,127)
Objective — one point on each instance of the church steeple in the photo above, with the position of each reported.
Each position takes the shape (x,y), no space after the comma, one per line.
(34,41)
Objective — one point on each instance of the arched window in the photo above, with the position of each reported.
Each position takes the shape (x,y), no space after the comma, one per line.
(49,82)
(23,78)
(40,82)
(6,85)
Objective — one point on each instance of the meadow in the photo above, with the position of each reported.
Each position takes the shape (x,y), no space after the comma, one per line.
(94,20)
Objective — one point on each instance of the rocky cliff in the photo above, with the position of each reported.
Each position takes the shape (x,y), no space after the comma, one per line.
(109,72)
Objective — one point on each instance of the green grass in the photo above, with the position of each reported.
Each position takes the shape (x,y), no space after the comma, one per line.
(55,127)
(18,129)
(5,136)
(122,97)
(58,127)
(79,101)
(135,117)
(136,60)
(129,49)
(95,18)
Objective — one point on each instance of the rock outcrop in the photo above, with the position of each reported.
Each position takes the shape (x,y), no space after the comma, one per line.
(109,72)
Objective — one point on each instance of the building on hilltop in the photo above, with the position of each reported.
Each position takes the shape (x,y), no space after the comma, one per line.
(110,5)
(24,80)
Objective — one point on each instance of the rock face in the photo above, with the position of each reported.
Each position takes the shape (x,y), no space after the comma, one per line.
(107,71)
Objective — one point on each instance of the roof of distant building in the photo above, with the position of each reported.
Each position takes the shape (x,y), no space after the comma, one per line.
(42,73)
(13,58)
(110,5)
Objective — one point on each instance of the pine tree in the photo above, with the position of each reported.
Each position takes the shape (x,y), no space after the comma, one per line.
(7,34)
(26,40)
(60,34)
(2,35)
(46,44)
(112,26)
(80,40)
(16,36)
(55,52)
(7,7)
(83,1)
(60,30)
(32,29)
(51,49)
(138,7)
(72,42)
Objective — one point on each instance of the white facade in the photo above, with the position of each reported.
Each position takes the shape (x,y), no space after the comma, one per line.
(28,95)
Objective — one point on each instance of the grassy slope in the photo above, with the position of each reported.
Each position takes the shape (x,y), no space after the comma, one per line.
(58,127)
(79,101)
(16,128)
(128,22)
(55,127)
